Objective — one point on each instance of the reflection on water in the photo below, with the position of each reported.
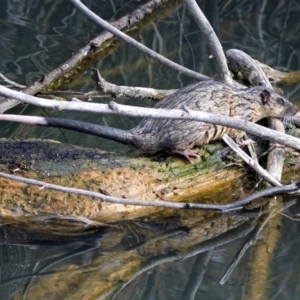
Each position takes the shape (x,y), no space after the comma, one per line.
(178,258)
(37,36)
(134,260)
(26,256)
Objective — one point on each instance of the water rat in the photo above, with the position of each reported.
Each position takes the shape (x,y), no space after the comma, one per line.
(178,137)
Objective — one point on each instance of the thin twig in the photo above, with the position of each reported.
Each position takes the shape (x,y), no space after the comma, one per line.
(289,217)
(74,219)
(12,83)
(67,95)
(251,162)
(136,44)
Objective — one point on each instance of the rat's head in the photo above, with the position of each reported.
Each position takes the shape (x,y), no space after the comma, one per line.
(274,105)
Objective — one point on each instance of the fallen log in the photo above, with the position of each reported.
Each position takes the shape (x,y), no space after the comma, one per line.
(218,177)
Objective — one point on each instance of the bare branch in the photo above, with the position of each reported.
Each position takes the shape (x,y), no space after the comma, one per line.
(237,258)
(251,162)
(127,91)
(69,95)
(136,44)
(214,44)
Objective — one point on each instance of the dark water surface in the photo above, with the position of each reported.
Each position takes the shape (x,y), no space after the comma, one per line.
(39,35)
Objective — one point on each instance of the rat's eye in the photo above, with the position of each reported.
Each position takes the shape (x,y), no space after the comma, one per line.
(280,101)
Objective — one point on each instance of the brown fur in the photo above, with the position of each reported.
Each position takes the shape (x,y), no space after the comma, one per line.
(252,104)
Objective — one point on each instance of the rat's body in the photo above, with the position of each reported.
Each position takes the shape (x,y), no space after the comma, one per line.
(180,136)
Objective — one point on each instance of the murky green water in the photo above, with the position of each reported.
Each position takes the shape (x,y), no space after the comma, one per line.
(39,35)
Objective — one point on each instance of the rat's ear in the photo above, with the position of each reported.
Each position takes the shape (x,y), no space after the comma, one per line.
(265,96)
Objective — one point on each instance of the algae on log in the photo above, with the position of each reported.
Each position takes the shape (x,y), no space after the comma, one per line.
(217,178)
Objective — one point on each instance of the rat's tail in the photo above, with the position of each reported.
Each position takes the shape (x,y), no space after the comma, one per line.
(115,134)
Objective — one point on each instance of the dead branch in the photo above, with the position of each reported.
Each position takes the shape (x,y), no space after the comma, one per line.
(237,258)
(249,243)
(127,91)
(269,192)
